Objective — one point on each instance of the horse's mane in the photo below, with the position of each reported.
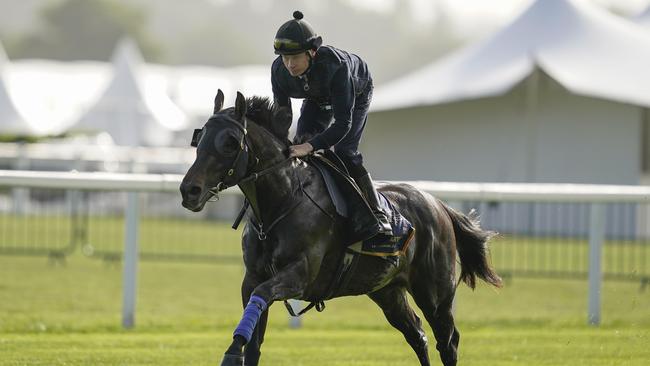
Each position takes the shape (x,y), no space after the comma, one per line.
(270,116)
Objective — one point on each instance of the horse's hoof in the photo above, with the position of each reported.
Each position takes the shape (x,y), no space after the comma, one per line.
(232,360)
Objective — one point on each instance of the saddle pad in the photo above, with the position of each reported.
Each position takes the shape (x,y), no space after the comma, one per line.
(351,204)
(388,246)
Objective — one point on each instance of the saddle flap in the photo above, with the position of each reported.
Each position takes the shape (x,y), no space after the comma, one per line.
(343,190)
(346,195)
(333,187)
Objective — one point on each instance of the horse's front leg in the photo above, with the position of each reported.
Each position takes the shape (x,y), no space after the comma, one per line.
(288,283)
(252,349)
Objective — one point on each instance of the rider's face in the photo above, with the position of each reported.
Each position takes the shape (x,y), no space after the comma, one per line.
(296,64)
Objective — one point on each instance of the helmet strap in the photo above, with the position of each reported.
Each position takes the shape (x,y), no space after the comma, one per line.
(311,63)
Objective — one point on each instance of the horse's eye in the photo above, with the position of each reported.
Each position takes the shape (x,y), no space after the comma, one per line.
(226,143)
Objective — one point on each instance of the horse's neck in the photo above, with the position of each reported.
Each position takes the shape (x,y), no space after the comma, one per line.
(274,189)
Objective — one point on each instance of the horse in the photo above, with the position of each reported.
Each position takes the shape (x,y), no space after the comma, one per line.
(293,243)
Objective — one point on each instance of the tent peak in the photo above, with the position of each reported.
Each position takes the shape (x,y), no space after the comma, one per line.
(127,52)
(584,48)
(3,57)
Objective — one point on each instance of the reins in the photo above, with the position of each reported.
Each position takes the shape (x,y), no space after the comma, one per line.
(252,178)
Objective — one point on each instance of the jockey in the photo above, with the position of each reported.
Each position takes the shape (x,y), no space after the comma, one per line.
(335,85)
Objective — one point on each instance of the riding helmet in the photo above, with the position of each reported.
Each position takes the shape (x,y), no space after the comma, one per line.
(296,36)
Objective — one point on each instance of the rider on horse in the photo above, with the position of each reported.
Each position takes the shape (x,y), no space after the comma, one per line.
(335,85)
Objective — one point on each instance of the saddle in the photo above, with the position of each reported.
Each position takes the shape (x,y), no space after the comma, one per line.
(351,204)
(363,237)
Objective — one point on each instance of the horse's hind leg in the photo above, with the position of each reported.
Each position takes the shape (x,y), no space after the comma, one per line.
(441,320)
(392,300)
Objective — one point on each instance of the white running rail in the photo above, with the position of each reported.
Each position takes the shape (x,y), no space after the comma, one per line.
(596,195)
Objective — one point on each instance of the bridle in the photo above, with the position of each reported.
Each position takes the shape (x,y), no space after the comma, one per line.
(243,154)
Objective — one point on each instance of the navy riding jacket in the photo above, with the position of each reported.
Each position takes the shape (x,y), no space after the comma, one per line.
(334,80)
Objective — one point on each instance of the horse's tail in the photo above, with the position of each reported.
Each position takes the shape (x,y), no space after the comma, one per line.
(471,243)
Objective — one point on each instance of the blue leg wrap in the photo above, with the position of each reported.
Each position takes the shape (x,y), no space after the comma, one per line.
(252,312)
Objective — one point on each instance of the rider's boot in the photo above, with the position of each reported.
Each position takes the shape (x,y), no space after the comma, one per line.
(368,188)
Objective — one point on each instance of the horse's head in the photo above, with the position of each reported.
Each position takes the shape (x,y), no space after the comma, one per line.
(221,154)
(223,146)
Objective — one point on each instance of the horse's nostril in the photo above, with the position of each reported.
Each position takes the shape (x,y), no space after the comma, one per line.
(195,191)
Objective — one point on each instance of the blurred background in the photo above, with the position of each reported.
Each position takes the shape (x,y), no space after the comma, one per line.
(534,112)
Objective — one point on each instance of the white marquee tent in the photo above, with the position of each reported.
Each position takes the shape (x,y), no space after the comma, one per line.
(51,97)
(133,113)
(587,50)
(68,91)
(11,121)
(558,95)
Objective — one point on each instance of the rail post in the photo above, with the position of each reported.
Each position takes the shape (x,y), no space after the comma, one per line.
(130,272)
(596,239)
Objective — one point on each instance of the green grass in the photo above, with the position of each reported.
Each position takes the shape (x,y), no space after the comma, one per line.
(493,346)
(70,315)
(106,235)
(207,239)
(52,314)
(621,258)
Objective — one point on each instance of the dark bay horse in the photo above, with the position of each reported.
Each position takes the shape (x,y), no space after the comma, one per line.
(292,250)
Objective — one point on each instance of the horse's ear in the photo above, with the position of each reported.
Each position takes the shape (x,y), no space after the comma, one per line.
(240,107)
(218,101)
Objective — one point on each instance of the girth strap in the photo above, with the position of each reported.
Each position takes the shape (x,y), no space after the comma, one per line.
(345,268)
(320,306)
(345,261)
